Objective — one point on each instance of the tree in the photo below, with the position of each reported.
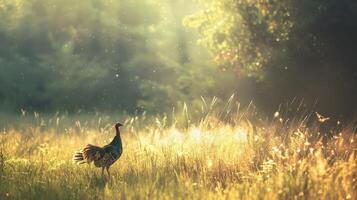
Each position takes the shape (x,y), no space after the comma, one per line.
(243,34)
(303,48)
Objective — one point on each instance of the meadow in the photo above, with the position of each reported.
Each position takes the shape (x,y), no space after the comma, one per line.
(219,152)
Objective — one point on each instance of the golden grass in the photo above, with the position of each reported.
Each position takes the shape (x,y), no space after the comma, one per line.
(215,157)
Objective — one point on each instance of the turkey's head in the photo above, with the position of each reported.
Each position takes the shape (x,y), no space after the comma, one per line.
(117,125)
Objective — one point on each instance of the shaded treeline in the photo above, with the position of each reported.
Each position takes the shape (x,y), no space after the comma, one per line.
(104,55)
(304,49)
(137,55)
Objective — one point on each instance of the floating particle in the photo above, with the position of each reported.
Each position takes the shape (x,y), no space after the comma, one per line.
(276,114)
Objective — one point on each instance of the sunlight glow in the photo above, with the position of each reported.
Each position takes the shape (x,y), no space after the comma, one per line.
(241,134)
(176,135)
(196,134)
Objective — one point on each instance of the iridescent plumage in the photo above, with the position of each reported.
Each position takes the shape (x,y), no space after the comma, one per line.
(104,156)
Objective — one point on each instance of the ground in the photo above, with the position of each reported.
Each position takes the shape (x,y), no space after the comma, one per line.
(212,158)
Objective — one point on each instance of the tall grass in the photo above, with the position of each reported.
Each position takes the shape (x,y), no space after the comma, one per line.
(222,151)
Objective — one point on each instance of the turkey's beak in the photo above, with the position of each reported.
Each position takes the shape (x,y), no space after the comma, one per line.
(119,124)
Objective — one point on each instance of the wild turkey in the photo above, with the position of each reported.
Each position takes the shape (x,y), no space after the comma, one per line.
(102,157)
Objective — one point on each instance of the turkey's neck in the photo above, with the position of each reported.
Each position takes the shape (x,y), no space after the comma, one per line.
(117,131)
(117,139)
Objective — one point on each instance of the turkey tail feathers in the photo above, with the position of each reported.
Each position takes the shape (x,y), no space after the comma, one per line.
(88,154)
(78,157)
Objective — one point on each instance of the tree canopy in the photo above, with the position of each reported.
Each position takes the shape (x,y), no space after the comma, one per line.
(121,55)
(243,34)
(251,35)
(137,55)
(294,48)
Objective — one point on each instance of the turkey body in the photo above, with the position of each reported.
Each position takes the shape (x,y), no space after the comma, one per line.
(104,156)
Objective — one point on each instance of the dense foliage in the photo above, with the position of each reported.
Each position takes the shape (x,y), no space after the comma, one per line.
(120,55)
(243,34)
(250,35)
(137,55)
(299,48)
